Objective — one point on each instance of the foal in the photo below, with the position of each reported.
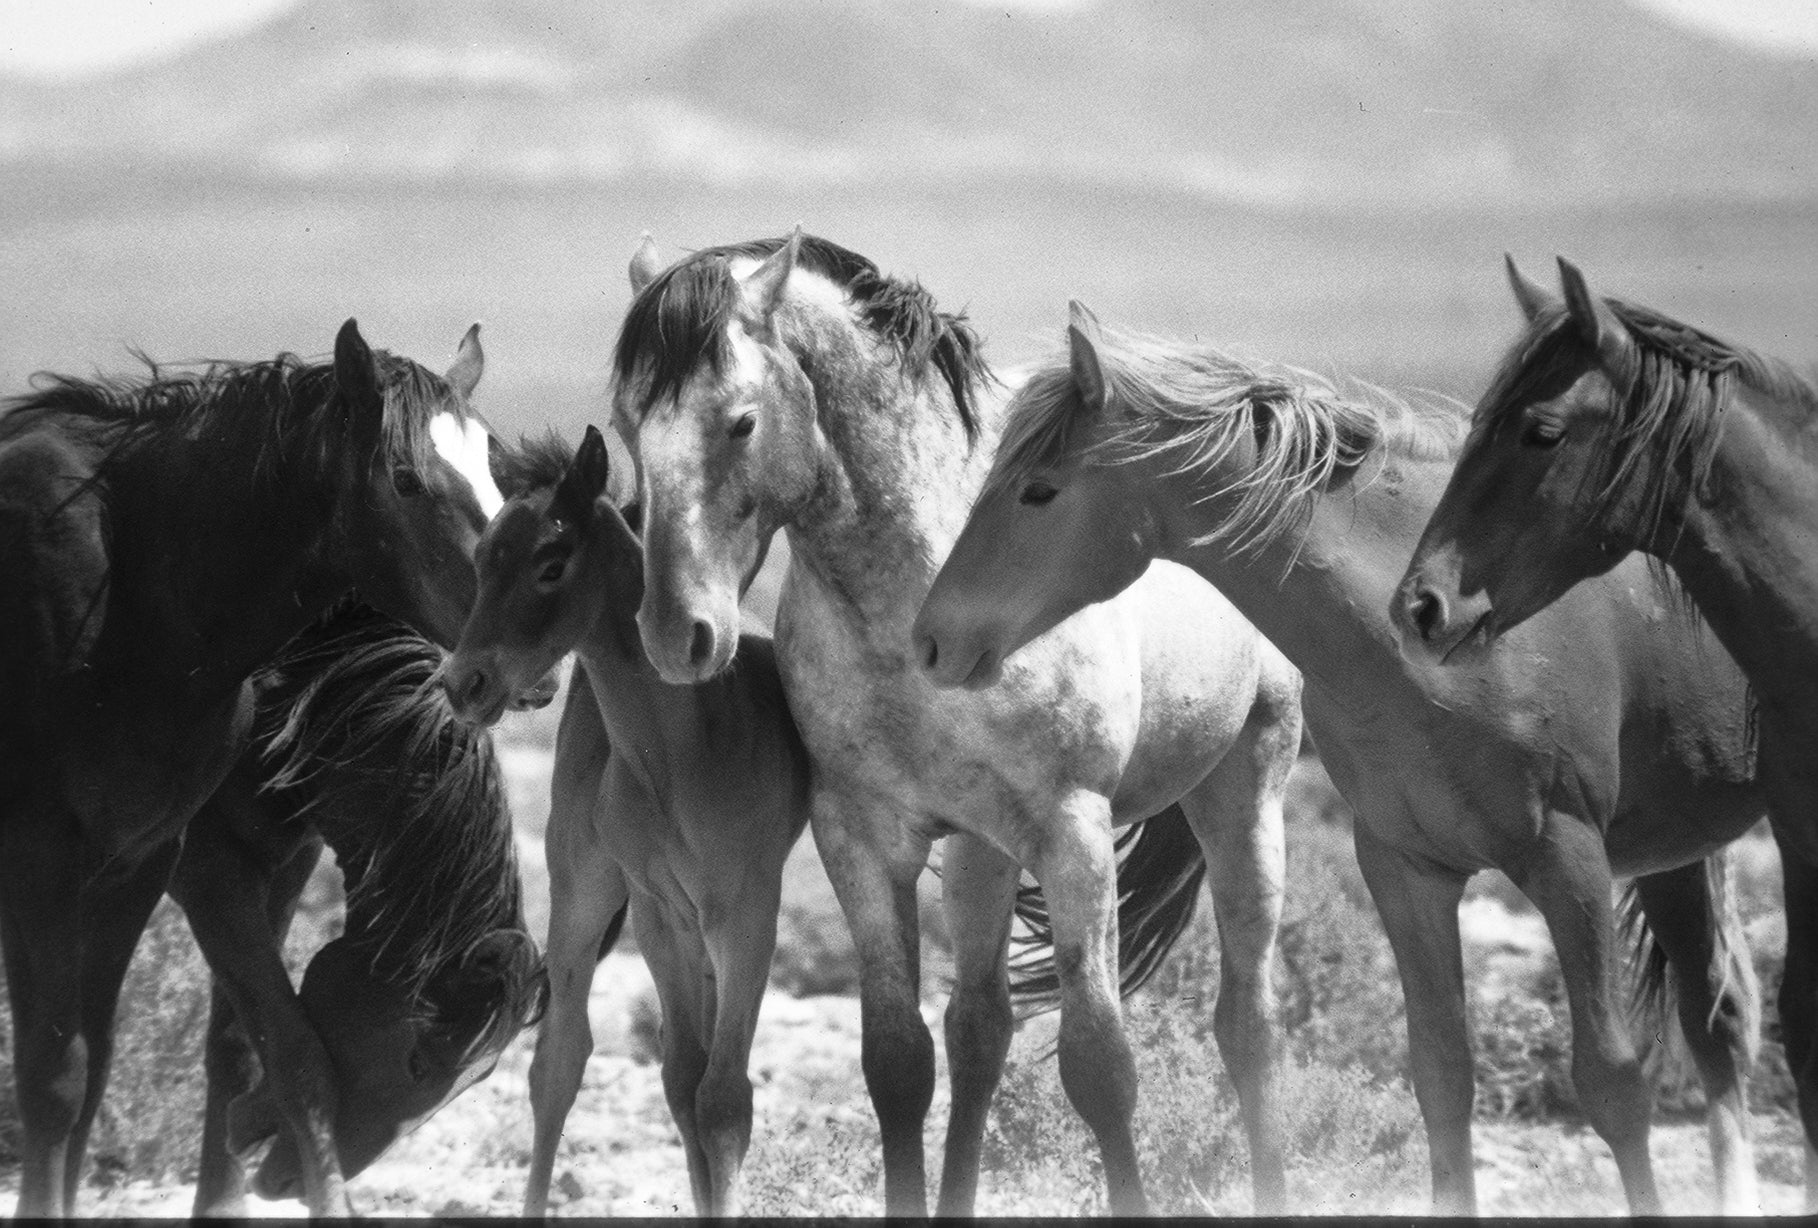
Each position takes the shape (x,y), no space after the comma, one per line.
(703,791)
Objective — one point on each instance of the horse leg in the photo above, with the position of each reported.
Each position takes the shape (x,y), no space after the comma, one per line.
(979,891)
(230,1060)
(41,875)
(1077,869)
(1237,815)
(1798,1000)
(1418,902)
(740,949)
(684,986)
(586,891)
(111,926)
(874,879)
(225,897)
(231,1067)
(1567,876)
(1696,925)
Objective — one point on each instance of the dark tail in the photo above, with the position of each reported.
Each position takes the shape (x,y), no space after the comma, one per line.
(1653,1002)
(1160,867)
(614,928)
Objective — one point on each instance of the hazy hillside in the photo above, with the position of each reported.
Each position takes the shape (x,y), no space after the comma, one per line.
(1294,102)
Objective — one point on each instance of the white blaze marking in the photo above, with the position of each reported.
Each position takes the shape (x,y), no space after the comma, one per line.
(463,444)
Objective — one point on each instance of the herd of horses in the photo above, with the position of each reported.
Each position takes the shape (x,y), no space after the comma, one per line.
(248,610)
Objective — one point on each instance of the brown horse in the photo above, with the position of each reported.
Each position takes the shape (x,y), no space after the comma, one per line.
(1611,429)
(1610,736)
(679,803)
(160,540)
(434,972)
(789,384)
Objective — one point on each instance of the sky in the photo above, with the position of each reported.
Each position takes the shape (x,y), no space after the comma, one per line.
(63,38)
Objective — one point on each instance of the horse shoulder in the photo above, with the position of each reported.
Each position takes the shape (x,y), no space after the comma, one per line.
(53,558)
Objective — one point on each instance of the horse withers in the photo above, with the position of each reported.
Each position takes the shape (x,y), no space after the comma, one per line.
(161,539)
(788,384)
(1610,429)
(1610,736)
(677,803)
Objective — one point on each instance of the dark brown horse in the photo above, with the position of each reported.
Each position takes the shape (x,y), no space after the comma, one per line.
(679,803)
(160,540)
(1610,429)
(354,746)
(1611,737)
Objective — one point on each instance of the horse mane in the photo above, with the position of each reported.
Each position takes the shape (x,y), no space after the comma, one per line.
(1194,404)
(678,323)
(411,798)
(1673,382)
(268,412)
(538,462)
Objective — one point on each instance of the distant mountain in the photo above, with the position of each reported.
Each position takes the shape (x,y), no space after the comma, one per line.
(1296,102)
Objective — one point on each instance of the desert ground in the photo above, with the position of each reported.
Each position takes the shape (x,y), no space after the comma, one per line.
(814,1148)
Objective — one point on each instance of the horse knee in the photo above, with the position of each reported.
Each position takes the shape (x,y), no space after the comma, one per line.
(897,1056)
(52,1082)
(1098,1073)
(722,1108)
(978,1024)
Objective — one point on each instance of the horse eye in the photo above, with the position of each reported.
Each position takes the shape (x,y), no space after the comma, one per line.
(1542,434)
(406,481)
(746,424)
(552,571)
(1037,494)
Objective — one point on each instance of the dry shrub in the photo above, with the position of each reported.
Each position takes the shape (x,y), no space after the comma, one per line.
(1350,1141)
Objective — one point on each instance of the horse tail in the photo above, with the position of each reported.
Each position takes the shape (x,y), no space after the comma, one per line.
(1653,999)
(614,928)
(1159,870)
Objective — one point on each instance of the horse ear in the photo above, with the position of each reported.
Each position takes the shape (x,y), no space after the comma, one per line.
(761,292)
(1532,296)
(469,363)
(357,381)
(1596,326)
(645,264)
(1083,339)
(502,462)
(585,479)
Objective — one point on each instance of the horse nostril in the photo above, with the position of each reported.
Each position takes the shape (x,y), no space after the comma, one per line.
(476,686)
(930,652)
(1427,612)
(700,648)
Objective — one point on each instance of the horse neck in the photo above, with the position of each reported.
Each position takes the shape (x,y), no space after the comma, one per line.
(1322,595)
(246,560)
(1744,552)
(899,476)
(645,717)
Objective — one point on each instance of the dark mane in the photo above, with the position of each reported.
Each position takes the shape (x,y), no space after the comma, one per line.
(411,799)
(1672,389)
(273,414)
(538,462)
(678,324)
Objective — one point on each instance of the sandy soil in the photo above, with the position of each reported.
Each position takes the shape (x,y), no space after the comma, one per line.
(621,1155)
